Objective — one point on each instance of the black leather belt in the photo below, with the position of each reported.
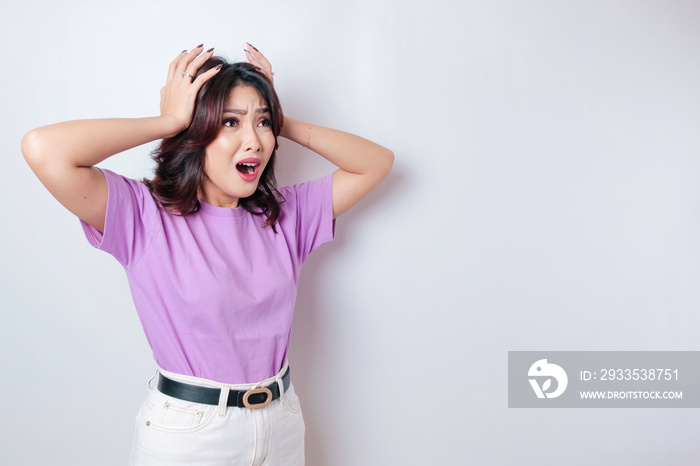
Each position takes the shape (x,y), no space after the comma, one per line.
(254,398)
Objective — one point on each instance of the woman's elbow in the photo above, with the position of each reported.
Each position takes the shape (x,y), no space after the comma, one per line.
(31,146)
(387,161)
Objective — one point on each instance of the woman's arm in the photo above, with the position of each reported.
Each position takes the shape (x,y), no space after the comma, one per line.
(62,155)
(84,143)
(362,164)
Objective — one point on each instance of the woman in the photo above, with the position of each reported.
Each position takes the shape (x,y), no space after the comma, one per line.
(212,250)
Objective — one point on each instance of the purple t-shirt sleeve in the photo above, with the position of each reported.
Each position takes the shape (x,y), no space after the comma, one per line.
(130,212)
(313,202)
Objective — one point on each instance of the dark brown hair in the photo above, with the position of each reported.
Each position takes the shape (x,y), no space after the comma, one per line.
(180,170)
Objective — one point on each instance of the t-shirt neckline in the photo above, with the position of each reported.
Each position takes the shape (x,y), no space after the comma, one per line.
(216,211)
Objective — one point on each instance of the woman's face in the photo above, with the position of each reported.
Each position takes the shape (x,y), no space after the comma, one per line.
(235,160)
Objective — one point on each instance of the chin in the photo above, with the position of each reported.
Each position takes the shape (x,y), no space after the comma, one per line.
(246,193)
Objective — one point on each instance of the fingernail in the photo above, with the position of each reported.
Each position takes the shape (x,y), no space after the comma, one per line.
(184,51)
(210,49)
(252,46)
(200,45)
(247,51)
(218,67)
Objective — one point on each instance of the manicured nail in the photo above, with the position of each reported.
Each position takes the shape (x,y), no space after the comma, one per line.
(218,67)
(200,45)
(247,51)
(210,49)
(252,46)
(184,51)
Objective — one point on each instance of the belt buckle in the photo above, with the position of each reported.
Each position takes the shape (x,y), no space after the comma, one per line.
(254,391)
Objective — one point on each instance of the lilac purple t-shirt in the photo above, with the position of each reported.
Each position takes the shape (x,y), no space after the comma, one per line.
(215,291)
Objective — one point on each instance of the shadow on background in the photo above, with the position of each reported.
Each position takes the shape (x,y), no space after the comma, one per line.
(314,372)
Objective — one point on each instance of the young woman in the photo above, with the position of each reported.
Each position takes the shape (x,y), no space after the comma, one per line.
(212,250)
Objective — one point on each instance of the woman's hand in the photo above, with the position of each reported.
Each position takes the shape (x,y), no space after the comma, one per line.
(260,62)
(178,95)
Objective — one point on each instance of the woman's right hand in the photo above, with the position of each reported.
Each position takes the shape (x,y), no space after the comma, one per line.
(63,155)
(178,96)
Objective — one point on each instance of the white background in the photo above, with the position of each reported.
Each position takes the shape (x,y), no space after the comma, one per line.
(545,196)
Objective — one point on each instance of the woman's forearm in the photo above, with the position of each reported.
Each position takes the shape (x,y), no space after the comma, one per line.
(84,143)
(362,164)
(349,152)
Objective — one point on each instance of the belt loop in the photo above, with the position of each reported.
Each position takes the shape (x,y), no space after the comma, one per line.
(223,400)
(280,385)
(148,384)
(280,381)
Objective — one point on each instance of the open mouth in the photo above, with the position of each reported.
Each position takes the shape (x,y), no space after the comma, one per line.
(247,168)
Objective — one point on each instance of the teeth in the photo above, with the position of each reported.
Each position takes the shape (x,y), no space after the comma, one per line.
(249,167)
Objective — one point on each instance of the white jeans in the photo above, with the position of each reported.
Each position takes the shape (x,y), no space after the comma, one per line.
(170,431)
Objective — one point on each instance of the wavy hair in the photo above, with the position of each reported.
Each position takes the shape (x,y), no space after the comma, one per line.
(180,175)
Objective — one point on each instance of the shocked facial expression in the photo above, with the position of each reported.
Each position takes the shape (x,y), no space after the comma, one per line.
(235,160)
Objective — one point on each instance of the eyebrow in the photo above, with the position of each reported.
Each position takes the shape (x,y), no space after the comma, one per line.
(245,112)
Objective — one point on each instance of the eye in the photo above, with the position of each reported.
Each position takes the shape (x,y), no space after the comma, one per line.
(230,122)
(265,122)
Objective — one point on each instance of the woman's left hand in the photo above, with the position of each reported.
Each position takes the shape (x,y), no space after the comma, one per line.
(260,62)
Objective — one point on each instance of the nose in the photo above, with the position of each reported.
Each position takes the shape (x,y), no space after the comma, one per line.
(251,141)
